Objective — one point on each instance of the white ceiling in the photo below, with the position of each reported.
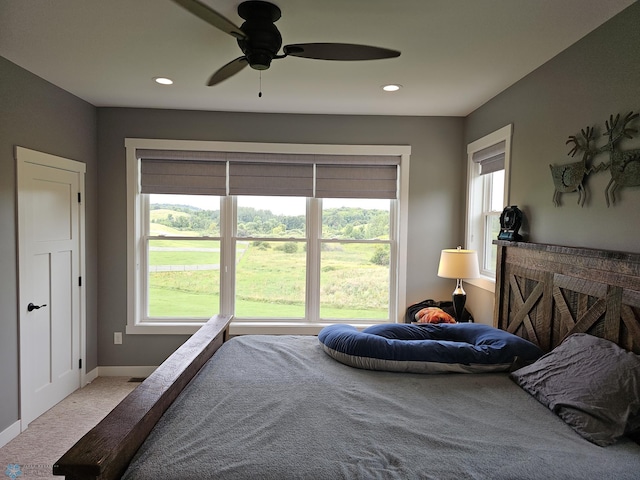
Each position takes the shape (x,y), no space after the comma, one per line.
(456,54)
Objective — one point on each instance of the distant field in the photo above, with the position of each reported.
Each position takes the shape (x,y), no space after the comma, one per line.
(163,213)
(176,252)
(269,282)
(158,229)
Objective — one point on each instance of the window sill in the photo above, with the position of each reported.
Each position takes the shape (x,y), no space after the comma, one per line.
(163,328)
(486,283)
(237,327)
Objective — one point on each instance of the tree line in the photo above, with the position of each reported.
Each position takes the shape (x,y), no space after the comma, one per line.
(341,223)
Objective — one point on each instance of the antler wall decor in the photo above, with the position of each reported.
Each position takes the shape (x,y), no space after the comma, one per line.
(624,165)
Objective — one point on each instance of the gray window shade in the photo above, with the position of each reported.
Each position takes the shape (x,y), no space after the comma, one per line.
(144,153)
(363,160)
(491,159)
(241,157)
(187,177)
(270,179)
(203,172)
(356,181)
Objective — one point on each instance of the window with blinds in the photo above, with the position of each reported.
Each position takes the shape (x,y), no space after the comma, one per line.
(487,194)
(267,237)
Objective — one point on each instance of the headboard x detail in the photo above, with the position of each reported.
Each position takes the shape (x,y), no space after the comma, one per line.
(544,293)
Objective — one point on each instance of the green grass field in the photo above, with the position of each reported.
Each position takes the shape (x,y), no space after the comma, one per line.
(270,282)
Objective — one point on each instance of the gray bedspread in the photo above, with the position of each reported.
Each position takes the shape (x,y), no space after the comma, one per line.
(277,407)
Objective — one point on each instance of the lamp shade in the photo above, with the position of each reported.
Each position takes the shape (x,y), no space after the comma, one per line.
(458,263)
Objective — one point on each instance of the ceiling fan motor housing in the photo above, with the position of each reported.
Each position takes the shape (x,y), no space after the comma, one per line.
(260,40)
(263,38)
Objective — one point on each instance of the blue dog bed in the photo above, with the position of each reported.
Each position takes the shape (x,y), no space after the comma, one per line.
(429,348)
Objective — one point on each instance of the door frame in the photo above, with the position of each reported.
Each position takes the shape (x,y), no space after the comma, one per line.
(25,156)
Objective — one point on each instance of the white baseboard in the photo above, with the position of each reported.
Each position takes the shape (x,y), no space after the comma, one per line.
(89,377)
(9,433)
(124,371)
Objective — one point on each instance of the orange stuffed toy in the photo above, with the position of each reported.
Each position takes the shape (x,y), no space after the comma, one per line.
(434,315)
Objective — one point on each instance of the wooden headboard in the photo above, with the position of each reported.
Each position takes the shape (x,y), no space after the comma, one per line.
(546,292)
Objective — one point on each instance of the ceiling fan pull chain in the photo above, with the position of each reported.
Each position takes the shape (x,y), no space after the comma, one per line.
(260,92)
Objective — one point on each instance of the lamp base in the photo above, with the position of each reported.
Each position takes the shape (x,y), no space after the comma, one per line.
(459,299)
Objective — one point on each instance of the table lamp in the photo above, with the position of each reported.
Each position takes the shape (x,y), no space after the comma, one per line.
(458,263)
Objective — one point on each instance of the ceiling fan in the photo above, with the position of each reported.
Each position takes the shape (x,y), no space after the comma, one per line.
(260,40)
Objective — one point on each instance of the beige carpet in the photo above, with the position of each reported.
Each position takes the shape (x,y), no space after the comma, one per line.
(31,454)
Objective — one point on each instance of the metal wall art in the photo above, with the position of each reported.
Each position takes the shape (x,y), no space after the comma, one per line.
(624,165)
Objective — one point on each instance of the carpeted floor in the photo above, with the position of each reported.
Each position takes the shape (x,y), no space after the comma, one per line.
(31,454)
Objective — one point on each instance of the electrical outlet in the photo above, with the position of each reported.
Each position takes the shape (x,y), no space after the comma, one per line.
(117,338)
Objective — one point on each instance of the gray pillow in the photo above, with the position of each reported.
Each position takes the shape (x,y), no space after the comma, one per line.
(589,382)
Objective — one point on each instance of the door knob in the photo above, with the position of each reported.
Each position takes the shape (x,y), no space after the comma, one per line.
(31,307)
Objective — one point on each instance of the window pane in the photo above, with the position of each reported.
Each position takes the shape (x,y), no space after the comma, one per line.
(496,201)
(184,278)
(354,281)
(354,218)
(271,217)
(184,215)
(491,251)
(270,279)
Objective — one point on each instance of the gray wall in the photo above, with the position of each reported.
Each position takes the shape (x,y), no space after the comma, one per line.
(38,115)
(596,77)
(435,203)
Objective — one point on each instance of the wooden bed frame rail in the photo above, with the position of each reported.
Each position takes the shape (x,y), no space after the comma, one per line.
(544,293)
(106,450)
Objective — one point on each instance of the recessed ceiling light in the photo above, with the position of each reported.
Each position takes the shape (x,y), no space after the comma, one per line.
(391,88)
(163,80)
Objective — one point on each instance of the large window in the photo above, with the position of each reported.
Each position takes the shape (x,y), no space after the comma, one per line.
(286,241)
(487,195)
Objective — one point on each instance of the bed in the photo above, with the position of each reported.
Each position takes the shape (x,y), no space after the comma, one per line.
(279,407)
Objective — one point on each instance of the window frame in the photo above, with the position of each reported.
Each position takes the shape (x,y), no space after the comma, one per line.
(136,229)
(477,198)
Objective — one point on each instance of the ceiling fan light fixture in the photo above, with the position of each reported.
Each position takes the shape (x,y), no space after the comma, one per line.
(392,87)
(259,60)
(163,80)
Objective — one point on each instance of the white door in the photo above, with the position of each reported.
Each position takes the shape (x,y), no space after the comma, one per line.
(50,248)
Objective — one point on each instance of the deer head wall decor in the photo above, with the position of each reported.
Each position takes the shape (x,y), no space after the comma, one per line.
(570,177)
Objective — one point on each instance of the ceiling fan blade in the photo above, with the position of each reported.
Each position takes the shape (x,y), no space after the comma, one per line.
(228,70)
(338,51)
(212,17)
